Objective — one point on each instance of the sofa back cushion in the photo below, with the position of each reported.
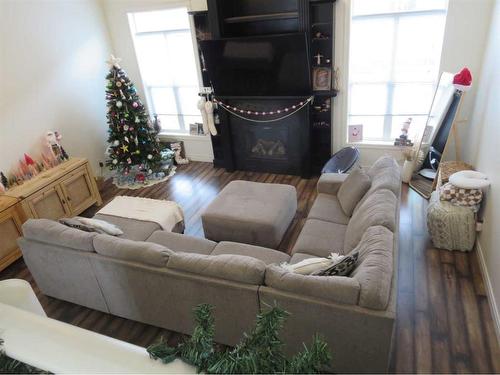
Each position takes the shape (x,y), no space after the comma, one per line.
(353,189)
(134,251)
(375,267)
(338,289)
(385,174)
(52,232)
(379,208)
(238,268)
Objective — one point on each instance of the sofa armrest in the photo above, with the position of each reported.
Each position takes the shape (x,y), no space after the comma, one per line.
(329,183)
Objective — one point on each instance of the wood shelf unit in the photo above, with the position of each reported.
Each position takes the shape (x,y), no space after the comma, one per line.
(63,191)
(263,17)
(11,219)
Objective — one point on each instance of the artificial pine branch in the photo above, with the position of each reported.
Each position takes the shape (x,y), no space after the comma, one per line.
(261,351)
(198,350)
(310,360)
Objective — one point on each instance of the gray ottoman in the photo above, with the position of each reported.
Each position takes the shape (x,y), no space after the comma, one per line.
(251,212)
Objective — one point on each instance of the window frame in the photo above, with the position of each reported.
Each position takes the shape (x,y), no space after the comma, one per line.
(390,84)
(183,127)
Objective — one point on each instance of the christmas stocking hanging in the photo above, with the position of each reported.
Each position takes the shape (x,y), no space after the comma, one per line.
(204,116)
(209,108)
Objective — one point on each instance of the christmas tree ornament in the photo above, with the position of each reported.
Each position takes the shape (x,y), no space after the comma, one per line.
(115,161)
(129,161)
(116,143)
(125,127)
(126,139)
(135,104)
(150,156)
(124,148)
(118,84)
(137,120)
(119,104)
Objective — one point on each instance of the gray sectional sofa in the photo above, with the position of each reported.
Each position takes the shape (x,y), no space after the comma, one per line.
(158,277)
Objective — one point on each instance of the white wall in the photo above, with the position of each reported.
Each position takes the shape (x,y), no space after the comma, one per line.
(52,73)
(483,136)
(197,148)
(465,37)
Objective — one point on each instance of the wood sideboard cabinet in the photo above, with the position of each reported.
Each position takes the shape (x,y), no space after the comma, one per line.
(63,191)
(11,219)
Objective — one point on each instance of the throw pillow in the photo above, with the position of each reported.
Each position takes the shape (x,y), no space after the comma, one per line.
(101,225)
(353,189)
(73,223)
(311,265)
(342,268)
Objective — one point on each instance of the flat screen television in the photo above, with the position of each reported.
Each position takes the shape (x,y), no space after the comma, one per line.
(276,65)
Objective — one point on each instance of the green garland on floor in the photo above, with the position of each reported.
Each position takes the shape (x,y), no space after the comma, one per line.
(259,352)
(12,366)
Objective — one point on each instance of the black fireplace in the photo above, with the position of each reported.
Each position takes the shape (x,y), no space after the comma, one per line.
(278,146)
(262,55)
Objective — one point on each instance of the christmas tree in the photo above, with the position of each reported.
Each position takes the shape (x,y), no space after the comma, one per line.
(133,141)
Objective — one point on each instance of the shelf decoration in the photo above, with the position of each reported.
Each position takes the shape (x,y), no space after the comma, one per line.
(282,112)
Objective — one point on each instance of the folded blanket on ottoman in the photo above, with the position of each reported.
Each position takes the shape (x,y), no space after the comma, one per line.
(165,213)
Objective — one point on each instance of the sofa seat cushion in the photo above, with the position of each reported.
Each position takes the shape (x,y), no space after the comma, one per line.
(180,242)
(327,207)
(353,189)
(239,268)
(52,232)
(251,212)
(133,251)
(135,230)
(378,209)
(266,255)
(320,238)
(375,267)
(338,289)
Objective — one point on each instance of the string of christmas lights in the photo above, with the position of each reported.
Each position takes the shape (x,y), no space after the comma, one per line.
(285,112)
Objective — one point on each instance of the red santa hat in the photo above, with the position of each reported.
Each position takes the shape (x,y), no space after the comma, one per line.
(463,80)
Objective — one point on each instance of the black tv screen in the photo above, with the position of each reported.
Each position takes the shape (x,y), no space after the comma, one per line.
(258,66)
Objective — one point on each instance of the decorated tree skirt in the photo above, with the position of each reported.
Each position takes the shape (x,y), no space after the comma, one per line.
(138,181)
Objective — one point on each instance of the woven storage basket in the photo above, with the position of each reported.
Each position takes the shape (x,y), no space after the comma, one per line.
(450,227)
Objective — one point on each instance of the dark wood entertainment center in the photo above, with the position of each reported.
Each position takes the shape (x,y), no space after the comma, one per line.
(305,139)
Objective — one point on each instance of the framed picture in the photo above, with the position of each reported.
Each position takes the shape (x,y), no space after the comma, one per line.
(193,129)
(322,79)
(355,133)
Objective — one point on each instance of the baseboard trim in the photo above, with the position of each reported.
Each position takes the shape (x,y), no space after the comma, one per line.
(489,290)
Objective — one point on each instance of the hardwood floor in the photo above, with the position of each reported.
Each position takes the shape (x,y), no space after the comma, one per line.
(444,322)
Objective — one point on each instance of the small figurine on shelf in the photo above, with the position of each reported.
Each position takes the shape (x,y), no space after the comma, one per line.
(177,148)
(320,35)
(318,58)
(53,139)
(4,180)
(403,138)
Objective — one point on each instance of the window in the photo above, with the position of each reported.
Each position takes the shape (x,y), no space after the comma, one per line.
(165,53)
(395,50)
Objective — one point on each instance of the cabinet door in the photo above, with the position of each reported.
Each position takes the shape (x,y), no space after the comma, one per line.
(49,204)
(10,231)
(77,190)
